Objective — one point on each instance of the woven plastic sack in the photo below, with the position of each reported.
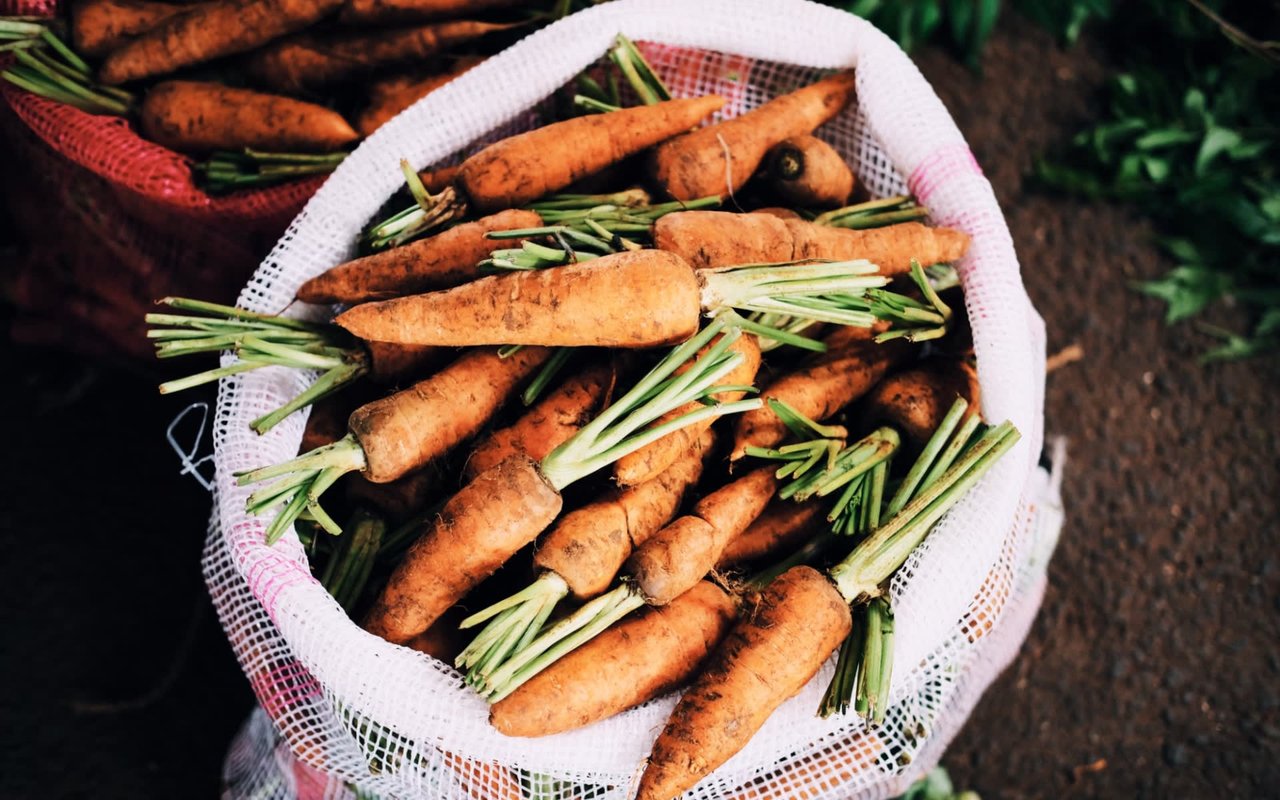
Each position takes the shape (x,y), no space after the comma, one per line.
(118,222)
(349,710)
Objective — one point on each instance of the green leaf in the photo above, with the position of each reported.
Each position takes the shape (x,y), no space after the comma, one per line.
(1187,290)
(1165,137)
(1157,168)
(1215,142)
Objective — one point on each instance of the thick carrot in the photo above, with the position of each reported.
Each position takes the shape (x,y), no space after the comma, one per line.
(694,165)
(390,96)
(824,385)
(915,400)
(719,238)
(806,171)
(590,544)
(197,117)
(437,262)
(100,26)
(220,29)
(387,12)
(767,657)
(515,504)
(527,166)
(784,524)
(634,661)
(678,556)
(414,426)
(391,363)
(547,425)
(307,61)
(639,298)
(648,462)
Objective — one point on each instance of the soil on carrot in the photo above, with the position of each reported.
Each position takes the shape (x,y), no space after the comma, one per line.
(1151,670)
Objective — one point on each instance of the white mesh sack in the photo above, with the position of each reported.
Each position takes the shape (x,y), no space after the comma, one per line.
(343,710)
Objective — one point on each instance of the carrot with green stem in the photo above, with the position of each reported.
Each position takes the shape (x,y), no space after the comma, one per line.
(505,508)
(265,340)
(802,617)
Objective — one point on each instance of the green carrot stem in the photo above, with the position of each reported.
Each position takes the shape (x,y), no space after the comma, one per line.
(66,52)
(546,374)
(953,449)
(546,583)
(927,455)
(329,383)
(201,378)
(591,104)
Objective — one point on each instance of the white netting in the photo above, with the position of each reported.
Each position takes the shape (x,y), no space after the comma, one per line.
(395,722)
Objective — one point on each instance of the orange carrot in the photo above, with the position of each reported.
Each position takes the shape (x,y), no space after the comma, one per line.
(779,212)
(767,657)
(219,29)
(806,171)
(437,262)
(435,180)
(548,424)
(391,363)
(526,166)
(196,117)
(915,400)
(825,384)
(100,26)
(694,165)
(400,499)
(388,12)
(307,61)
(389,96)
(783,525)
(719,238)
(440,641)
(634,661)
(648,462)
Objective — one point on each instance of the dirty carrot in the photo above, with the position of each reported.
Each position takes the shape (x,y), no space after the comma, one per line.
(220,29)
(915,400)
(389,96)
(720,158)
(807,172)
(100,26)
(782,525)
(198,117)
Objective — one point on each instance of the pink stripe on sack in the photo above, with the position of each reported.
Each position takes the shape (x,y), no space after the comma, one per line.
(939,167)
(284,688)
(267,571)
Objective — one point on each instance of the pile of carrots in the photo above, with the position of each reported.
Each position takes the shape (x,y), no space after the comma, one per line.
(273,89)
(647,449)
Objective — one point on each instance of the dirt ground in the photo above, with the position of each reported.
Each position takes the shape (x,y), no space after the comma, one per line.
(1151,671)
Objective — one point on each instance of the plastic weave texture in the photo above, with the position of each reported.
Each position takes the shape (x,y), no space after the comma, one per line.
(343,710)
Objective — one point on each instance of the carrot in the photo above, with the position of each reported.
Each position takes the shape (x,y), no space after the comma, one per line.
(441,261)
(718,238)
(326,424)
(779,212)
(390,363)
(767,657)
(694,164)
(527,166)
(400,499)
(100,26)
(197,117)
(636,298)
(824,385)
(435,180)
(636,660)
(783,524)
(648,462)
(307,61)
(547,425)
(220,29)
(387,12)
(389,96)
(915,400)
(441,640)
(806,171)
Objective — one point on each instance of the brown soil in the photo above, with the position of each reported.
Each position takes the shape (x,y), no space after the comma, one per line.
(1151,671)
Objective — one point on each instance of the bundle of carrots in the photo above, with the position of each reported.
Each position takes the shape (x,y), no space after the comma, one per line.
(613,537)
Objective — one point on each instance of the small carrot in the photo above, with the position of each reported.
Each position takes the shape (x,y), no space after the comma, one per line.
(441,261)
(307,61)
(547,425)
(390,12)
(718,238)
(220,29)
(100,26)
(389,96)
(720,158)
(197,117)
(915,400)
(807,172)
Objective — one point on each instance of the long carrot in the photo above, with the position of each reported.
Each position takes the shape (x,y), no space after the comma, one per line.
(389,96)
(100,26)
(720,158)
(307,61)
(806,171)
(718,238)
(638,659)
(438,262)
(549,424)
(639,298)
(197,117)
(389,12)
(220,29)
